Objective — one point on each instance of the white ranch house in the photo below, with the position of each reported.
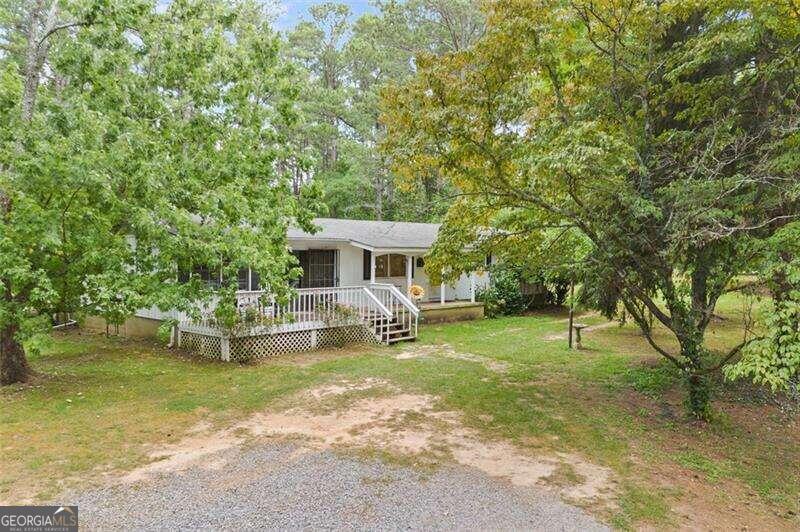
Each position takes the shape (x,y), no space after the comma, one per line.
(354,287)
(364,252)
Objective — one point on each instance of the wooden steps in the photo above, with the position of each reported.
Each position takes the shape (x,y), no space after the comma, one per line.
(391,332)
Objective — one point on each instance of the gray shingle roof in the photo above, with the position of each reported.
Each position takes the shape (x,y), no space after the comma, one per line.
(371,233)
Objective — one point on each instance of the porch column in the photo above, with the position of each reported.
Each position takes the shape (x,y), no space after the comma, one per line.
(441,295)
(409,266)
(472,287)
(372,267)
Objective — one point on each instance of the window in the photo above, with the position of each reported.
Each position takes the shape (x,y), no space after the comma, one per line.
(319,268)
(397,265)
(382,266)
(208,276)
(243,278)
(392,265)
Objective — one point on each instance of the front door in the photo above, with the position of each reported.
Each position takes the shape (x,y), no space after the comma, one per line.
(319,268)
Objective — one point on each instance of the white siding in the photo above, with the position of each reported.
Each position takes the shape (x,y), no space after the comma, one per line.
(350,264)
(350,271)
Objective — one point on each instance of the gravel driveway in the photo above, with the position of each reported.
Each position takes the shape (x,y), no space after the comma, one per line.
(286,486)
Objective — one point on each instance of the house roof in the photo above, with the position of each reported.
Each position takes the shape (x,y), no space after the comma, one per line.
(371,233)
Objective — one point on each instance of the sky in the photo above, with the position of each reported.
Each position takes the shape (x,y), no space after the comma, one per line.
(294,11)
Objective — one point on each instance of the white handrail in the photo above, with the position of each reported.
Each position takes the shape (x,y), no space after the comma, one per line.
(401,296)
(384,310)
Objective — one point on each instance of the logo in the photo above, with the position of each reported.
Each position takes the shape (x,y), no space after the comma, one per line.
(38,518)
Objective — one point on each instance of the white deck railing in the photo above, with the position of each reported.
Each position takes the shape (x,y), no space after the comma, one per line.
(383,308)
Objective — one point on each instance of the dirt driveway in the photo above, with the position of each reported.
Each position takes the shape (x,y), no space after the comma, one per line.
(361,455)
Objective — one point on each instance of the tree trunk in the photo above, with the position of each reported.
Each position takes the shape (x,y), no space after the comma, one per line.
(698,401)
(31,71)
(378,207)
(13,364)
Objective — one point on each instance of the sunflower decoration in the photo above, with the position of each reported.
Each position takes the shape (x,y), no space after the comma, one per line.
(416,292)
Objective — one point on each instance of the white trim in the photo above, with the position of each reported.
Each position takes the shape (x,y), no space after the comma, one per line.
(225,348)
(385,311)
(308,243)
(472,287)
(311,243)
(409,269)
(402,251)
(359,245)
(404,299)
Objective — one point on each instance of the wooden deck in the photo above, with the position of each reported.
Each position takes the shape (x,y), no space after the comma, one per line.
(312,318)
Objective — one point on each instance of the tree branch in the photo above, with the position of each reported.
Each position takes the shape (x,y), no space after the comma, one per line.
(647,332)
(60,27)
(732,353)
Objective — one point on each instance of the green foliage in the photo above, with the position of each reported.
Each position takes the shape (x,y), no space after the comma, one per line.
(698,396)
(774,359)
(153,141)
(164,332)
(651,149)
(503,296)
(36,343)
(333,313)
(342,65)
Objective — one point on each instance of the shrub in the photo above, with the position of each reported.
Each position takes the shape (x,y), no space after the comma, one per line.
(503,296)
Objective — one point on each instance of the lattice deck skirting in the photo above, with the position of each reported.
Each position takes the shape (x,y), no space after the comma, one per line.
(243,348)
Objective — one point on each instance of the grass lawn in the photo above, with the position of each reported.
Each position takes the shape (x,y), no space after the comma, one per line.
(99,404)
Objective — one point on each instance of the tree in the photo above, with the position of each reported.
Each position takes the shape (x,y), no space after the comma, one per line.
(343,66)
(316,47)
(653,146)
(137,139)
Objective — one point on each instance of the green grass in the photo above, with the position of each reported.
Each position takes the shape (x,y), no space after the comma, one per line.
(99,403)
(713,471)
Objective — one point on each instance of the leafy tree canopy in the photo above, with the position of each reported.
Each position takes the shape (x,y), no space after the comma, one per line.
(651,149)
(342,65)
(137,137)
